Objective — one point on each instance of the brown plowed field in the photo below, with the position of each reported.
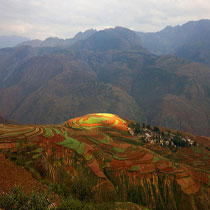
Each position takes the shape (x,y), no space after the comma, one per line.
(13,175)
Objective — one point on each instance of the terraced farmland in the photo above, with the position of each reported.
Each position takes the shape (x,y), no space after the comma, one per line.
(94,148)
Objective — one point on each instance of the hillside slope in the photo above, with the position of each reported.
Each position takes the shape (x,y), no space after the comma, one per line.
(112,159)
(13,175)
(197,52)
(172,91)
(44,85)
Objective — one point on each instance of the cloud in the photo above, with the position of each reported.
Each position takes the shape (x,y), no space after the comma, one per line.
(64,18)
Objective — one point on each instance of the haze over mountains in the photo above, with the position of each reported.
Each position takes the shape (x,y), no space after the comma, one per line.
(57,42)
(113,71)
(11,41)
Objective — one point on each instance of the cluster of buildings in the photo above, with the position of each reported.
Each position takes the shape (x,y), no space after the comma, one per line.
(155,136)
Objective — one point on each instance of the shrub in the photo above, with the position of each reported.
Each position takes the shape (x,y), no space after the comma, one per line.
(16,199)
(70,204)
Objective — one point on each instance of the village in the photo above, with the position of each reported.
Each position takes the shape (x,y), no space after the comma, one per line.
(153,135)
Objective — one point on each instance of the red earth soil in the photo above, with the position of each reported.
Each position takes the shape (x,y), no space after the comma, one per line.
(12,175)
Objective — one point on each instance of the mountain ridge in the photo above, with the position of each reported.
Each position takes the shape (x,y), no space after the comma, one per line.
(170,38)
(161,90)
(117,38)
(58,42)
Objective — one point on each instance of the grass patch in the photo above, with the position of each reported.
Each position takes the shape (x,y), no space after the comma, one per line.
(105,141)
(36,156)
(39,150)
(93,120)
(69,142)
(48,133)
(120,150)
(134,168)
(57,131)
(88,157)
(81,149)
(197,150)
(119,158)
(17,132)
(155,159)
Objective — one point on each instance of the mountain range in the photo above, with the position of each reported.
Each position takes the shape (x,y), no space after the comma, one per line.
(111,71)
(190,41)
(57,42)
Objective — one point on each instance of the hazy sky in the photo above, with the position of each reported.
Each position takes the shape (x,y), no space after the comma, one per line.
(64,18)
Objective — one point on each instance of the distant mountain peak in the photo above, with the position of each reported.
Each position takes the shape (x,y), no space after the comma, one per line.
(122,28)
(52,39)
(84,35)
(57,42)
(118,38)
(168,40)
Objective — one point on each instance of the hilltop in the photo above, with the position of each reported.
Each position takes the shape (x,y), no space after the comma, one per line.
(106,158)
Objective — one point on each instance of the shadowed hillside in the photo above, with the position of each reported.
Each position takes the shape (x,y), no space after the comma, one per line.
(170,38)
(108,71)
(190,41)
(118,38)
(197,52)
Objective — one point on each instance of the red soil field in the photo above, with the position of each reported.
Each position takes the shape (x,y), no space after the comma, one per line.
(12,175)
